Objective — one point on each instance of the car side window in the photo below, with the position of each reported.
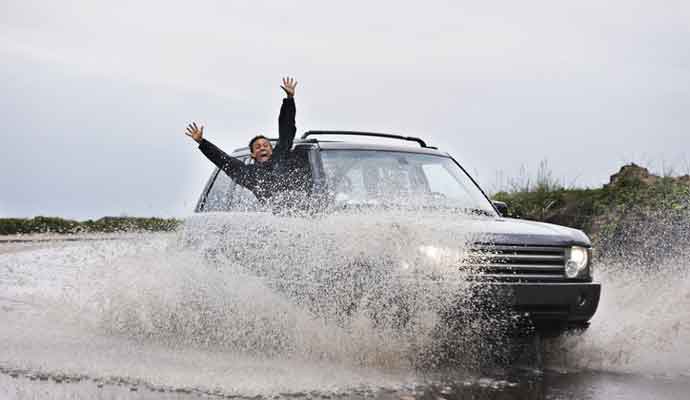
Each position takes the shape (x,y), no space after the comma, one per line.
(219,195)
(226,195)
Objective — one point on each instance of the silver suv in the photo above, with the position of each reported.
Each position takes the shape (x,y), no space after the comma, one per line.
(543,271)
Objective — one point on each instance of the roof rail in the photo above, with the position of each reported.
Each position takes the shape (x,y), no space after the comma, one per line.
(373,134)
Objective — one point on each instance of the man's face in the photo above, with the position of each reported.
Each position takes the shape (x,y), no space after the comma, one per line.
(262,150)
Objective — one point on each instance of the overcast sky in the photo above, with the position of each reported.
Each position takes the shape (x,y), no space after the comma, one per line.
(95,95)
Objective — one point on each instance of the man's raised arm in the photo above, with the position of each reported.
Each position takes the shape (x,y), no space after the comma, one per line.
(286,119)
(230,165)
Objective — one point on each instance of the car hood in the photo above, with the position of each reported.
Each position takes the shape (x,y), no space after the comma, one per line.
(523,232)
(506,231)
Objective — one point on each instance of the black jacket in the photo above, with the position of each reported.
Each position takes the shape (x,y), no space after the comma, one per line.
(264,179)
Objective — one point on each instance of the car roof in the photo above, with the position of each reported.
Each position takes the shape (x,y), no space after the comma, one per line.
(347,145)
(343,145)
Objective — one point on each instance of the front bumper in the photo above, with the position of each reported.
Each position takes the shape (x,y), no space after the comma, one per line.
(566,303)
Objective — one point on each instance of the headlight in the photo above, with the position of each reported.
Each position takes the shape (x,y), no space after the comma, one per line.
(440,255)
(577,260)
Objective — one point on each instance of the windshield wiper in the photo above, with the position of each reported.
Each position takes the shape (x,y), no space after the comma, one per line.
(390,206)
(479,211)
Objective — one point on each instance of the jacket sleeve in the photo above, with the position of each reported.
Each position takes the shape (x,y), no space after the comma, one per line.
(232,166)
(286,127)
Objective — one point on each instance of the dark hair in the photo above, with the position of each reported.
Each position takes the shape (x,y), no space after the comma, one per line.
(254,139)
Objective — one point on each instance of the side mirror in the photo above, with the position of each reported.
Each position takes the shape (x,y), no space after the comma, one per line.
(501,207)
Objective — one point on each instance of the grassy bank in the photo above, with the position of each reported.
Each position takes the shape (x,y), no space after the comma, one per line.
(14,226)
(632,190)
(635,212)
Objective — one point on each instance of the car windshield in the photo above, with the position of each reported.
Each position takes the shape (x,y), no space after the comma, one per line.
(396,178)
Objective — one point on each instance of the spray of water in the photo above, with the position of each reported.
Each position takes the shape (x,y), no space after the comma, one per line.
(642,324)
(260,304)
(366,293)
(362,290)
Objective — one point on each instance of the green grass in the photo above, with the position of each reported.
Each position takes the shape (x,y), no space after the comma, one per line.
(14,226)
(637,210)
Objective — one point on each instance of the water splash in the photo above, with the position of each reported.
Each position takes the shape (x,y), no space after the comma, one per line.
(344,289)
(356,298)
(642,324)
(262,304)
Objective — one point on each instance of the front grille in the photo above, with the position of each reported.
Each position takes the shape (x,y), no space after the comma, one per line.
(515,262)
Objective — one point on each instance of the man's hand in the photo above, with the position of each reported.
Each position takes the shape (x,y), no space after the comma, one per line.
(194,132)
(289,85)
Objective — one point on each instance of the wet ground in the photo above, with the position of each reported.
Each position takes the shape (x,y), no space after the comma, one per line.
(546,384)
(75,325)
